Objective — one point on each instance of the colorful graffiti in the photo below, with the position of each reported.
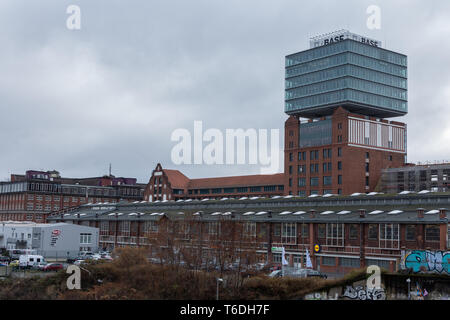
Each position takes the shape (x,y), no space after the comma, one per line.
(364,294)
(427,261)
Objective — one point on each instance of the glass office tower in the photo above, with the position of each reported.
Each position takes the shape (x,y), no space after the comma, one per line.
(347,71)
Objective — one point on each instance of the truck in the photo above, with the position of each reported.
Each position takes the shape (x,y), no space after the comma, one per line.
(31,261)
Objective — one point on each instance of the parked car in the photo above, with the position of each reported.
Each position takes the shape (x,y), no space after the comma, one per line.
(276,274)
(314,273)
(105,256)
(53,267)
(96,256)
(85,255)
(40,265)
(5,260)
(306,273)
(14,264)
(71,260)
(79,262)
(300,273)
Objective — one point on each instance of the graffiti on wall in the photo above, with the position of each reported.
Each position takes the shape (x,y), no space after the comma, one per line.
(362,293)
(427,261)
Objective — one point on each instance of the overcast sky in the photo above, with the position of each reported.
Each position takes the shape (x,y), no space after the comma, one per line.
(114,91)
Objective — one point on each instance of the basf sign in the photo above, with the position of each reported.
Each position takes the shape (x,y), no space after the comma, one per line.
(338,36)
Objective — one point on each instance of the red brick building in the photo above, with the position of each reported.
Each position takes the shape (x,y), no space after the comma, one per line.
(351,231)
(167,184)
(31,197)
(340,154)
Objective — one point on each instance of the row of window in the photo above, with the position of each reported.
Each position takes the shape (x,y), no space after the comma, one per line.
(342,46)
(314,154)
(345,83)
(343,96)
(346,58)
(314,181)
(314,168)
(346,70)
(237,190)
(125,226)
(333,232)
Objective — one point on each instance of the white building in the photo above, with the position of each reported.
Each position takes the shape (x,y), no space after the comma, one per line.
(52,240)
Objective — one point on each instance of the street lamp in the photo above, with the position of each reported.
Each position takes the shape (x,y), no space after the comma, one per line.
(409,288)
(200,213)
(302,260)
(269,244)
(217,292)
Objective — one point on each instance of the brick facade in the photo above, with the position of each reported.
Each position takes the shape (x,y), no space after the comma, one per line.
(353,168)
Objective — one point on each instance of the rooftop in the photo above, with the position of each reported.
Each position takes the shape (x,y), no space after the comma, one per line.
(401,208)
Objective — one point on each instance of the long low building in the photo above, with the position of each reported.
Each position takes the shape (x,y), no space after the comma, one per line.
(168,185)
(340,232)
(51,240)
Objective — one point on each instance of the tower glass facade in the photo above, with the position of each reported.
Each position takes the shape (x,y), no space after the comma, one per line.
(366,79)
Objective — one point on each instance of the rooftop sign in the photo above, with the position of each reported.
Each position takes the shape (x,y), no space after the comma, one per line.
(338,36)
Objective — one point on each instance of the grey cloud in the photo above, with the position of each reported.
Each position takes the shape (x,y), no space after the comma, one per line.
(115,90)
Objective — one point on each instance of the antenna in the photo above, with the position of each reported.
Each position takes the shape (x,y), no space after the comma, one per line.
(110,169)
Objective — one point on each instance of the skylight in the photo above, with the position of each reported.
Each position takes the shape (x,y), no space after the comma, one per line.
(299,212)
(376,212)
(285,212)
(248,213)
(327,212)
(344,212)
(432,211)
(395,212)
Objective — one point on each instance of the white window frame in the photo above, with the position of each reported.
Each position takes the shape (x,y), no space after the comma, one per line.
(335,234)
(389,235)
(289,232)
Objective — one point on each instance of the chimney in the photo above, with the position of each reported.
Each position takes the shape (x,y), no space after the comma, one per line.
(312,213)
(420,213)
(442,213)
(78,215)
(362,213)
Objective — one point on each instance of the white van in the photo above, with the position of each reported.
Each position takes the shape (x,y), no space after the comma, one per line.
(31,261)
